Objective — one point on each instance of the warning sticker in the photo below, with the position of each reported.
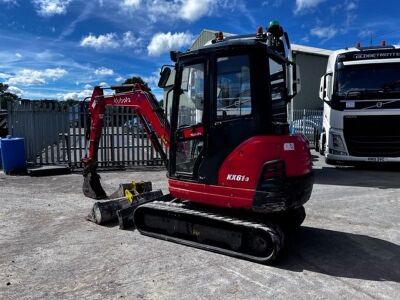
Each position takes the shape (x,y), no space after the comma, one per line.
(288,146)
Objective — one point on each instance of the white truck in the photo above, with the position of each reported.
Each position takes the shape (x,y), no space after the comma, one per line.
(361,94)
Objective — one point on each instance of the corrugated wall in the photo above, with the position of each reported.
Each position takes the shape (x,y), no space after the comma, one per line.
(312,67)
(203,38)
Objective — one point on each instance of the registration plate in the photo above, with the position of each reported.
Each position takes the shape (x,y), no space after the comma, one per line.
(376,159)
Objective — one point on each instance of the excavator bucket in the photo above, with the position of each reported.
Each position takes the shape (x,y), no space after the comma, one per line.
(132,188)
(92,187)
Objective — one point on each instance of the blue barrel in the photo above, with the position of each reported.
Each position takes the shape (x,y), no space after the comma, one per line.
(13,154)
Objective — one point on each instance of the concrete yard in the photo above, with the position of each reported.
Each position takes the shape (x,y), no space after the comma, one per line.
(348,247)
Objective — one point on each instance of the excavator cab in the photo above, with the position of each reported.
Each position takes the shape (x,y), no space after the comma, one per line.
(225,93)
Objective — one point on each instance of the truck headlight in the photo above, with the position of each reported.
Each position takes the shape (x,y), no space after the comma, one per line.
(337,142)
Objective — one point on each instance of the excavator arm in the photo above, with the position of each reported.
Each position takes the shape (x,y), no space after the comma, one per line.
(150,114)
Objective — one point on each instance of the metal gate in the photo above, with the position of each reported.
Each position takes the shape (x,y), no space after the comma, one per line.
(307,122)
(56,134)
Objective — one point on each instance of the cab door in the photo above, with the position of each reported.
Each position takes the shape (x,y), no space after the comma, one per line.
(188,115)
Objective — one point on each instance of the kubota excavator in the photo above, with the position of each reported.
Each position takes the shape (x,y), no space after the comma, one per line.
(236,175)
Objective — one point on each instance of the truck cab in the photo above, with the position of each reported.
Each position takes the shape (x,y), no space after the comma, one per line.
(361,117)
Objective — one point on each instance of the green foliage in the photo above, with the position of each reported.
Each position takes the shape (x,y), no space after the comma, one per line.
(3,87)
(5,96)
(132,80)
(71,102)
(135,79)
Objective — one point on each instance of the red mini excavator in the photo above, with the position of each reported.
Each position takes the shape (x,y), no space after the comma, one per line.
(236,175)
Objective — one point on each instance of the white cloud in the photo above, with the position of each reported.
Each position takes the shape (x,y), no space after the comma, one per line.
(351,6)
(76,95)
(344,6)
(119,79)
(302,5)
(54,73)
(88,86)
(324,33)
(16,91)
(165,42)
(273,3)
(130,3)
(366,33)
(193,10)
(112,40)
(49,8)
(129,40)
(36,77)
(152,80)
(187,10)
(108,40)
(4,75)
(102,71)
(157,9)
(18,55)
(103,83)
(8,1)
(305,39)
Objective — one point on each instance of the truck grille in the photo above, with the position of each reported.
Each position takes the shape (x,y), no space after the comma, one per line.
(373,136)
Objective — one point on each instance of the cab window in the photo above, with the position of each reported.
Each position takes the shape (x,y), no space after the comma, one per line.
(233,87)
(191,101)
(278,90)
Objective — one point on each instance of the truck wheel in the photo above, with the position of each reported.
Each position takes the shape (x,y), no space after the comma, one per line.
(323,141)
(316,139)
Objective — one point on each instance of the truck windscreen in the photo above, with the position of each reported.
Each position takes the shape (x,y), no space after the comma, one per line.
(368,81)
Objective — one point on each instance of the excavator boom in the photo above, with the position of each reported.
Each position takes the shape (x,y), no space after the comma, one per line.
(143,102)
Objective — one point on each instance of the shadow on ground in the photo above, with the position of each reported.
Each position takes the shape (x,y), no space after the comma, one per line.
(379,177)
(342,254)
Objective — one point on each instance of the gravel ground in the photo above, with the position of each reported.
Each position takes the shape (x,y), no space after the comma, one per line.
(348,247)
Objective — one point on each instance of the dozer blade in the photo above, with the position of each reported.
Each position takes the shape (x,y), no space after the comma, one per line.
(92,187)
(235,237)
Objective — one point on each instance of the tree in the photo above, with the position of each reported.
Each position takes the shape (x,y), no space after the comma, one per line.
(136,79)
(5,96)
(132,80)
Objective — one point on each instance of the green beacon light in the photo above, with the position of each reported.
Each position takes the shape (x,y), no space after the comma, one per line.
(275,29)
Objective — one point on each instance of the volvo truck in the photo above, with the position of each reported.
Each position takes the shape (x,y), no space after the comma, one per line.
(361,117)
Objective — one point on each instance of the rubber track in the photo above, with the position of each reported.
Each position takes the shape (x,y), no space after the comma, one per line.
(273,230)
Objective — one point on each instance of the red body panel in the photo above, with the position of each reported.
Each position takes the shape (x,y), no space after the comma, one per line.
(240,172)
(193,131)
(211,194)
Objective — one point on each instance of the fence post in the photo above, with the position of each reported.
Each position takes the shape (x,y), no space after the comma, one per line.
(10,112)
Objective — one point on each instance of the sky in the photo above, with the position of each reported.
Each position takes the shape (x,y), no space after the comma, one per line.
(61,49)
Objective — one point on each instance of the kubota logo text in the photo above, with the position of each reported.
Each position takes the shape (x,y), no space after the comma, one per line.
(235,177)
(121,100)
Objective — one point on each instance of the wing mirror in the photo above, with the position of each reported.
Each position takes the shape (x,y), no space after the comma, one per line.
(325,89)
(293,72)
(164,76)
